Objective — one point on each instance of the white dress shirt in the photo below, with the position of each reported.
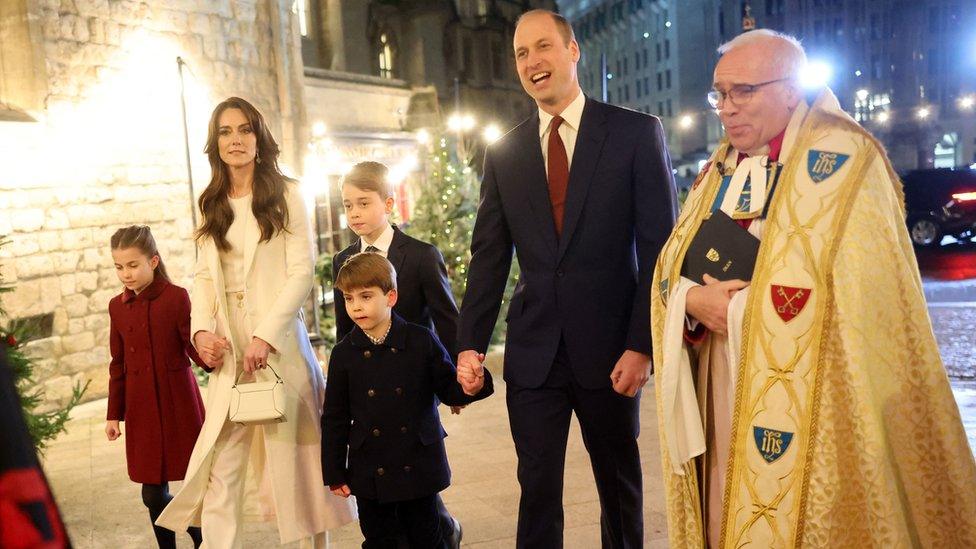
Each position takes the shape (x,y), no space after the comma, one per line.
(382,243)
(568,130)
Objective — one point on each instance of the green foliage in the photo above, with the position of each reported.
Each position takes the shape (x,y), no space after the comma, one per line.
(444,216)
(42,425)
(327,320)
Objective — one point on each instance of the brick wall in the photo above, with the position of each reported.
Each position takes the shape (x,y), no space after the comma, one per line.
(107,149)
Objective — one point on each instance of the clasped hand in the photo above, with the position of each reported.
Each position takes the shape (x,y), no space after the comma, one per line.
(709,304)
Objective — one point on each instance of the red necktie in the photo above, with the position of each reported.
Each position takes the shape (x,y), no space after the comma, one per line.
(558,173)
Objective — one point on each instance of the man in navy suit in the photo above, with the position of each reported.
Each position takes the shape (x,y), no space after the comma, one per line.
(583,193)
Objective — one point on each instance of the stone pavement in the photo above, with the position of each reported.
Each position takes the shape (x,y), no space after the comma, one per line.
(103,508)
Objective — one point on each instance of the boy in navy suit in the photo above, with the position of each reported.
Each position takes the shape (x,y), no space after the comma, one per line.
(425,293)
(380,406)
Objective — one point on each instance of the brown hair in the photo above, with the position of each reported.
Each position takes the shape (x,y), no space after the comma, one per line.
(563,24)
(268,203)
(366,270)
(371,177)
(139,237)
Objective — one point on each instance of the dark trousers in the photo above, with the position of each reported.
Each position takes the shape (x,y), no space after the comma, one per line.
(155,497)
(418,519)
(539,418)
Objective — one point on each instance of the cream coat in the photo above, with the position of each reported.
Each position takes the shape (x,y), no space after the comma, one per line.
(278,278)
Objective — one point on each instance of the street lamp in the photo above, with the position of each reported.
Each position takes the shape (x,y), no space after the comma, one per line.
(967,102)
(491,133)
(816,74)
(923,112)
(686,122)
(883,117)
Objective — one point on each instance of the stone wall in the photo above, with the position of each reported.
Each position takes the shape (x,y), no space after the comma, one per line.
(107,149)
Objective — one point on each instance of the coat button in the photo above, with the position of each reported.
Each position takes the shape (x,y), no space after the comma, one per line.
(132,349)
(399,390)
(371,393)
(407,468)
(367,354)
(403,429)
(380,471)
(393,350)
(376,432)
(560,273)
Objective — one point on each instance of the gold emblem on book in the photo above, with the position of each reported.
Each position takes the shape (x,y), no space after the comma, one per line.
(712,255)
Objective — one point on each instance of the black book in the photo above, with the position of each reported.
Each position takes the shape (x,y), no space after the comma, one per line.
(723,249)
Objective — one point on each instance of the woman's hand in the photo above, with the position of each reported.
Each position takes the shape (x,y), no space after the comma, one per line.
(112,429)
(256,354)
(210,347)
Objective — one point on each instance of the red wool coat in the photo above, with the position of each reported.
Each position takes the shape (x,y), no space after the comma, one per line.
(151,386)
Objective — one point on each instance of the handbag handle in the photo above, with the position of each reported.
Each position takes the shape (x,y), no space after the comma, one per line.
(238,379)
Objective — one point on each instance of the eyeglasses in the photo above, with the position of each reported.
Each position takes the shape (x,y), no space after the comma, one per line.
(739,94)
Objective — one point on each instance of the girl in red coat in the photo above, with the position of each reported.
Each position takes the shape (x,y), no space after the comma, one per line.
(151,385)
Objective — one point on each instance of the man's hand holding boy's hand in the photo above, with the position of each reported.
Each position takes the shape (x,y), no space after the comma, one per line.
(471,372)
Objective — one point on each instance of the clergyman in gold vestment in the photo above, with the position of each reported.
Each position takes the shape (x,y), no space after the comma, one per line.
(807,407)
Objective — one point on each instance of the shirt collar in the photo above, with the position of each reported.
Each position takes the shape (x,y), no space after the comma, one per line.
(572,114)
(773,148)
(382,243)
(396,339)
(150,292)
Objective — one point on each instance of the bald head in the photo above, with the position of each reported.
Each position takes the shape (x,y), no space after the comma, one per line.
(782,52)
(757,79)
(562,24)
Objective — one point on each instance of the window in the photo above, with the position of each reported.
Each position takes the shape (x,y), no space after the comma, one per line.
(385,57)
(627,92)
(658,48)
(660,108)
(645,58)
(638,89)
(667,49)
(668,78)
(660,81)
(670,112)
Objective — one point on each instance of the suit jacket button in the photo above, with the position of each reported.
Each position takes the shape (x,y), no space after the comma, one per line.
(381,471)
(376,432)
(407,468)
(403,429)
(371,393)
(559,273)
(367,354)
(399,390)
(393,350)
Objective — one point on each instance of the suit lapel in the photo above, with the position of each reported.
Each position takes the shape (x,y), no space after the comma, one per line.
(537,185)
(396,253)
(586,155)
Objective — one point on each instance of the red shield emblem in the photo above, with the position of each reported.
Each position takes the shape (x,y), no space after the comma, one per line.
(789,301)
(701,175)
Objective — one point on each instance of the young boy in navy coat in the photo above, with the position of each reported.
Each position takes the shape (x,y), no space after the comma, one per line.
(380,406)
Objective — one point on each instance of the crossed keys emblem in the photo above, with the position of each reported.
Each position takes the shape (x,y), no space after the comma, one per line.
(789,301)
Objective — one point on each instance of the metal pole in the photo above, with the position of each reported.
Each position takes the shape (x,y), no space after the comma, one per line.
(603,77)
(186,142)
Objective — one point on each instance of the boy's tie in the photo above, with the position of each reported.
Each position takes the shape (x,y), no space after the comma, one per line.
(372,249)
(558,173)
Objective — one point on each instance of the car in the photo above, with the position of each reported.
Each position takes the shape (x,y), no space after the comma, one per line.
(940,202)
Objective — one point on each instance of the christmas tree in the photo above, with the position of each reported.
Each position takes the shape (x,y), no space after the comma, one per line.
(444,216)
(43,425)
(445,210)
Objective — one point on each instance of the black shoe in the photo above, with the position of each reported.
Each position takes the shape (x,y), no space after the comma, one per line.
(454,538)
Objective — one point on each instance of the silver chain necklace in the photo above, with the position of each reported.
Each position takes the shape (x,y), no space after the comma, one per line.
(379,340)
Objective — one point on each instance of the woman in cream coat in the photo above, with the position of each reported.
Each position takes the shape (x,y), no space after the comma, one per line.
(254,272)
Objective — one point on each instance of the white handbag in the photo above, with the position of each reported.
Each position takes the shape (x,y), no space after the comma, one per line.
(257,403)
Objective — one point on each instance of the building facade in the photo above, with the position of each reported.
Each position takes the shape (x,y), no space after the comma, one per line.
(905,69)
(104,106)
